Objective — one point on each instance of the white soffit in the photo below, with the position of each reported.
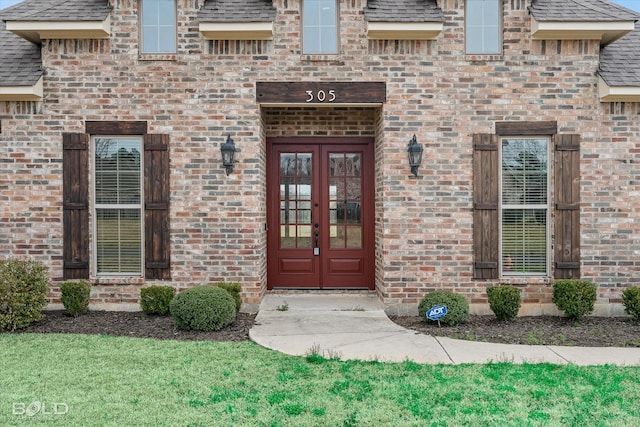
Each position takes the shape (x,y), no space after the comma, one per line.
(36,31)
(22,93)
(617,93)
(404,30)
(606,32)
(237,30)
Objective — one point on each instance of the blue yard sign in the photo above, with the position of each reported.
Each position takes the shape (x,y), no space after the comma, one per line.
(436,312)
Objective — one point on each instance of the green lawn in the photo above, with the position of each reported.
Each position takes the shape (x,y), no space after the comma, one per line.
(125,382)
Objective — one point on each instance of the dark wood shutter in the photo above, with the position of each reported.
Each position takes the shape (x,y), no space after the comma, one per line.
(485,206)
(156,207)
(75,202)
(567,206)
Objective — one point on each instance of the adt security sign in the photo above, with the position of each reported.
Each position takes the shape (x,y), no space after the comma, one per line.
(436,312)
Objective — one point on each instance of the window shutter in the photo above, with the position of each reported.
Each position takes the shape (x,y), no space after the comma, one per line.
(156,210)
(485,206)
(75,194)
(567,214)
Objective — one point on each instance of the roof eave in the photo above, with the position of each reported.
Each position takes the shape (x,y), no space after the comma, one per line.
(606,32)
(36,31)
(236,30)
(404,30)
(617,93)
(23,93)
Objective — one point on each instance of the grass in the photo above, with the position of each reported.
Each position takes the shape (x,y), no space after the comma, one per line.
(118,381)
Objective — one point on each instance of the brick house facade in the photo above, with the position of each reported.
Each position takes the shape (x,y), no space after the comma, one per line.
(565,75)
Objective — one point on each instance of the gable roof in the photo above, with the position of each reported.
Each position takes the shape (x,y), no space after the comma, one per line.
(21,60)
(403,11)
(237,11)
(620,61)
(580,10)
(58,10)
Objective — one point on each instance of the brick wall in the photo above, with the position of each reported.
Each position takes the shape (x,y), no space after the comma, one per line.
(434,90)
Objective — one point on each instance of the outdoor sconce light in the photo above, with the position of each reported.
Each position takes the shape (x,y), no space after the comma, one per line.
(228,150)
(415,155)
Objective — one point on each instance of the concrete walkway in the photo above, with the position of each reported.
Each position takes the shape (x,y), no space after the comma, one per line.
(354,326)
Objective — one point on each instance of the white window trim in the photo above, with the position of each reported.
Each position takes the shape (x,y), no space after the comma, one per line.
(546,206)
(141,32)
(95,206)
(302,31)
(500,32)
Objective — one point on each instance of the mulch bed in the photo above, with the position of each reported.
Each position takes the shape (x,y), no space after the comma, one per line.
(135,324)
(548,330)
(539,330)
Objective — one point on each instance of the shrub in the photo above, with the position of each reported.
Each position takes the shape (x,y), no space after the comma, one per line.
(203,308)
(457,307)
(575,297)
(156,299)
(234,290)
(75,297)
(504,301)
(631,302)
(23,293)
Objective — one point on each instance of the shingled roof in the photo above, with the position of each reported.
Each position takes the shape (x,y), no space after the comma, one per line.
(403,11)
(237,11)
(58,10)
(580,10)
(620,61)
(21,61)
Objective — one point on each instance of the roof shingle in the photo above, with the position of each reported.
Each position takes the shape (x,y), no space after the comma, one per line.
(580,10)
(58,10)
(237,11)
(403,11)
(620,61)
(20,60)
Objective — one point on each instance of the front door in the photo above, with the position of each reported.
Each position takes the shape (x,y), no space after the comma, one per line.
(320,213)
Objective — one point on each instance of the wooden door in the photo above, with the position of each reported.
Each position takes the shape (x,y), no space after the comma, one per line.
(320,213)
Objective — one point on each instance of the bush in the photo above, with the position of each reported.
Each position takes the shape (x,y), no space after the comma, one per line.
(457,307)
(156,299)
(575,297)
(203,308)
(23,293)
(631,302)
(75,297)
(234,290)
(504,301)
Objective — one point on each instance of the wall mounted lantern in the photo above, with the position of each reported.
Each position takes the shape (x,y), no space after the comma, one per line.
(228,150)
(415,155)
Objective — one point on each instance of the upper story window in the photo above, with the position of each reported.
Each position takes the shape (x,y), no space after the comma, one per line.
(483,20)
(320,26)
(158,22)
(524,205)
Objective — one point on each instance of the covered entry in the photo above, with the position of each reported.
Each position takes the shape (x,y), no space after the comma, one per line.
(320,212)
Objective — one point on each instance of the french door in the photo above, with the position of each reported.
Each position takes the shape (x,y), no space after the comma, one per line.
(320,213)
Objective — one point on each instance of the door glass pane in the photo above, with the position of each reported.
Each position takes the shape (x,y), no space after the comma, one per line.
(353,165)
(354,237)
(345,192)
(338,240)
(295,200)
(336,189)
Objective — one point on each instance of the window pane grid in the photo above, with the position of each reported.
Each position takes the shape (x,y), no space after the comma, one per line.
(524,206)
(483,26)
(118,206)
(320,26)
(158,24)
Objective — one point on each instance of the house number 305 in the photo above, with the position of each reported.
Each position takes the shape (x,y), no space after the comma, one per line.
(321,96)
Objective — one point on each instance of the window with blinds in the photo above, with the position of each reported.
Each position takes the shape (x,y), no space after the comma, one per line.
(524,206)
(117,205)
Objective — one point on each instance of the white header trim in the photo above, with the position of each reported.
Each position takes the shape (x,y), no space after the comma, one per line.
(237,30)
(404,30)
(36,31)
(23,93)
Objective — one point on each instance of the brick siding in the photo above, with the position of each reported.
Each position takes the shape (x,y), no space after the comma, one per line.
(434,90)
